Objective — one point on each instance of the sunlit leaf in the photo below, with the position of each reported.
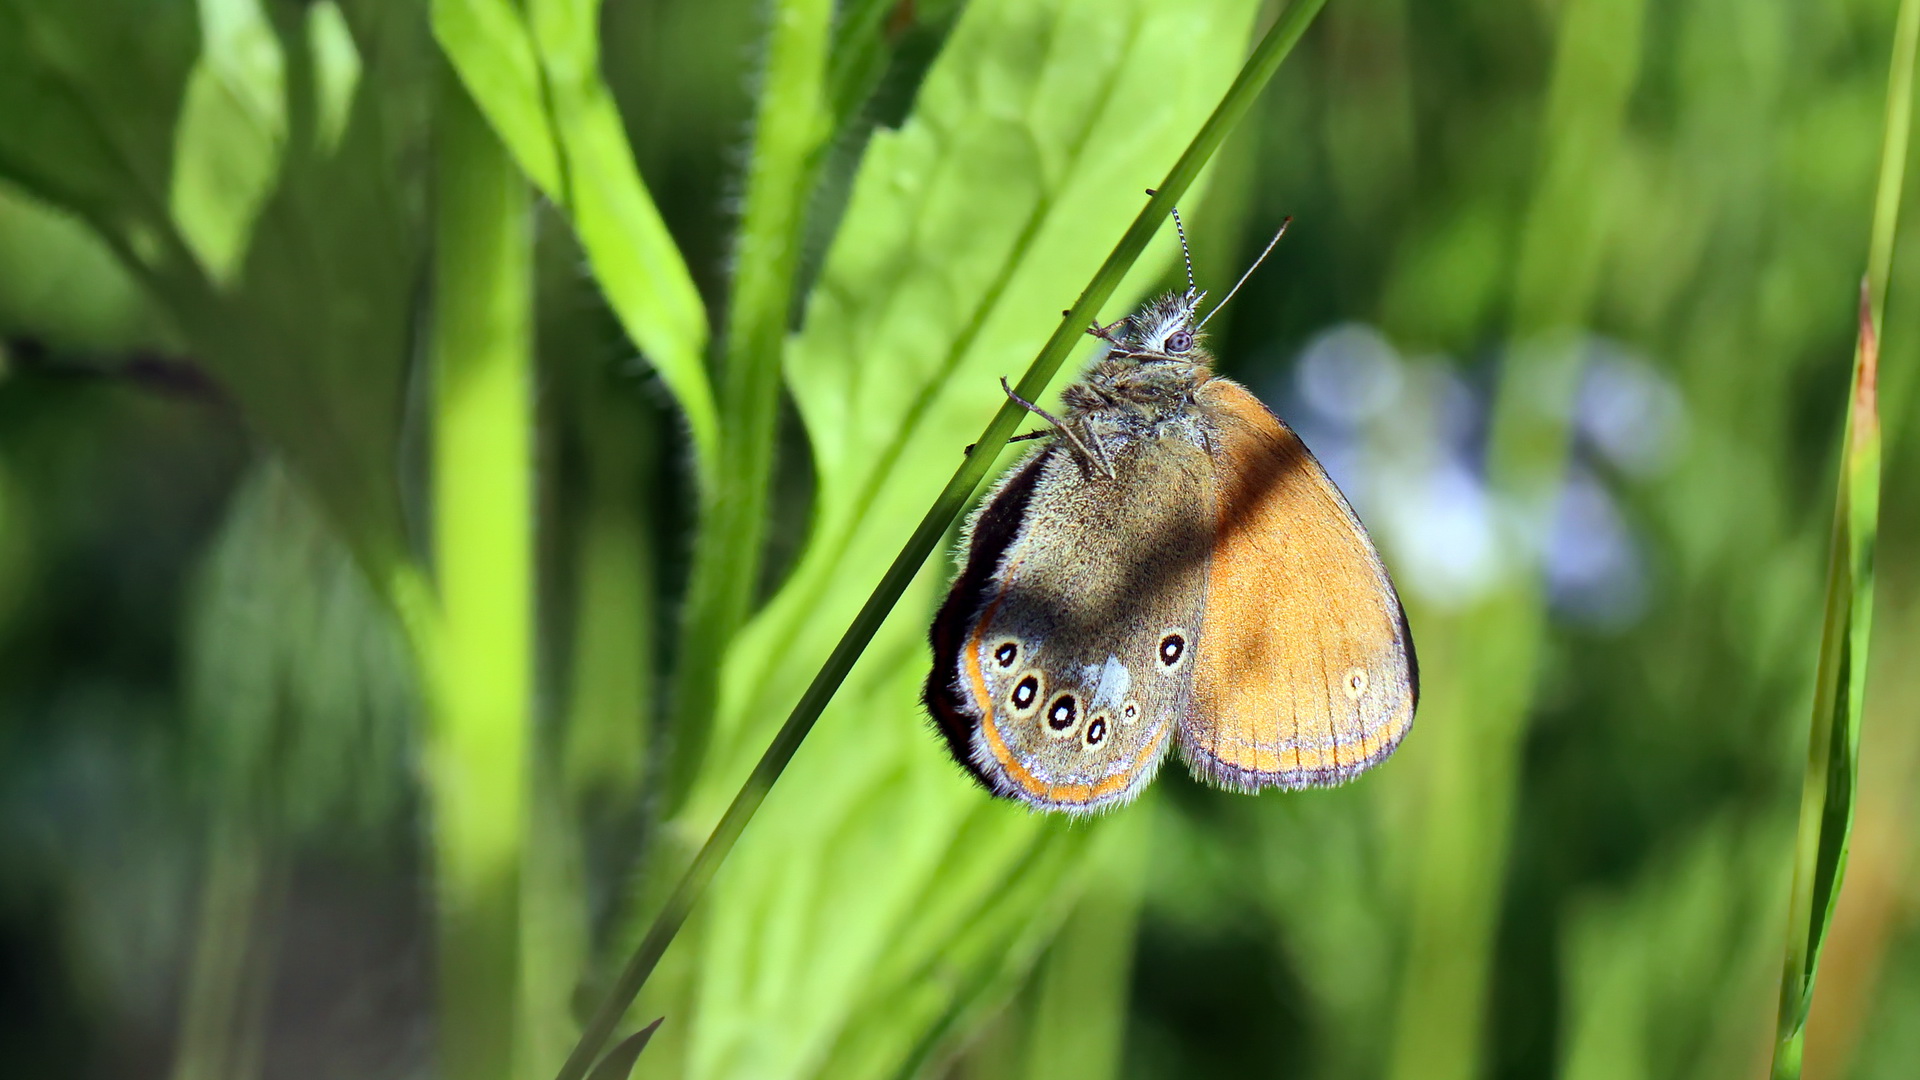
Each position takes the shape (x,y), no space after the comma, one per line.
(536,77)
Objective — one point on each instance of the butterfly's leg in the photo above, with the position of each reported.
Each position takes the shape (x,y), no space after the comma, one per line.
(1014,439)
(1060,426)
(1104,333)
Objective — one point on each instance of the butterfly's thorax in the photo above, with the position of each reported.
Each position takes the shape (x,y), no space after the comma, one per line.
(1127,391)
(1136,391)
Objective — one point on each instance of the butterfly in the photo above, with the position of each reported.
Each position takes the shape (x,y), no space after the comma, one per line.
(1171,569)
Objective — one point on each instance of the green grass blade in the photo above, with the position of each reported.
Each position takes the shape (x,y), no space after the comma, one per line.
(618,1064)
(1833,748)
(1253,76)
(1827,793)
(537,79)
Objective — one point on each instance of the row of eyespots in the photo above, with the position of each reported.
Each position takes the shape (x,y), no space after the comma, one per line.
(1063,714)
(1065,711)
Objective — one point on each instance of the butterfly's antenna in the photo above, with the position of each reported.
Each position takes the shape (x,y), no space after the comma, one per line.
(1184,253)
(1243,277)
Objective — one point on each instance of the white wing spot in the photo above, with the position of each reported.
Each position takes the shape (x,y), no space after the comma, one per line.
(1356,683)
(1110,682)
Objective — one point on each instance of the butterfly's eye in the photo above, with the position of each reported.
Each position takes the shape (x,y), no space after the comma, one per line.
(1180,341)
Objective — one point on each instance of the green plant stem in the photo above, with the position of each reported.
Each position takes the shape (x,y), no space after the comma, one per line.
(1253,77)
(789,132)
(476,641)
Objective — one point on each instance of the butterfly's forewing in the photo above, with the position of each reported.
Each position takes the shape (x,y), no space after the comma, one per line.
(1306,673)
(1077,661)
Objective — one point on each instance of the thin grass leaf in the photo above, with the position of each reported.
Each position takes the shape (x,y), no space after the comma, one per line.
(618,1064)
(1827,791)
(835,438)
(537,79)
(1833,748)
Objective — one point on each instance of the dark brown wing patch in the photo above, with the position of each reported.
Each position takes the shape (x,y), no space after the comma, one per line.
(992,531)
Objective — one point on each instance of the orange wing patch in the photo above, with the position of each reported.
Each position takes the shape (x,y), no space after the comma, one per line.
(1306,673)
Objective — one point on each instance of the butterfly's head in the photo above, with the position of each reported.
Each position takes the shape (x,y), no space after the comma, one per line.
(1164,329)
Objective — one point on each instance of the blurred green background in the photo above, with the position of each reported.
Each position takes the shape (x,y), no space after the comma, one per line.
(408,540)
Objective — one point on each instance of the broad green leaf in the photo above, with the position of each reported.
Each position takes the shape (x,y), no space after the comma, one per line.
(880,891)
(90,91)
(1081,997)
(536,77)
(306,315)
(59,283)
